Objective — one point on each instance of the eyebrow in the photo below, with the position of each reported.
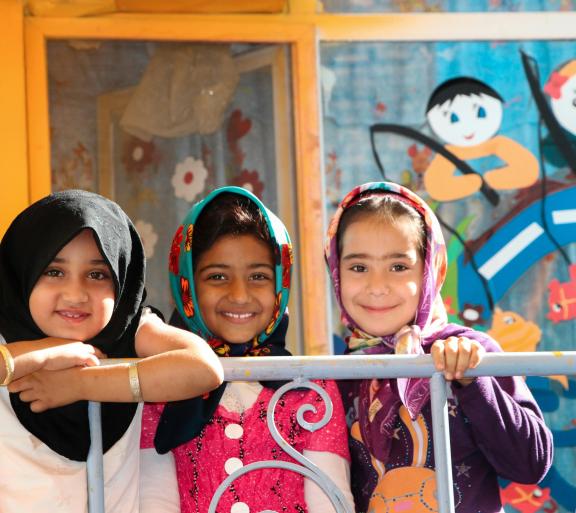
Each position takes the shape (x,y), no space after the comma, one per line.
(98,261)
(226,266)
(366,256)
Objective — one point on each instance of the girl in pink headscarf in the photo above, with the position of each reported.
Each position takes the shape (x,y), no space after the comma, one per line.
(387,261)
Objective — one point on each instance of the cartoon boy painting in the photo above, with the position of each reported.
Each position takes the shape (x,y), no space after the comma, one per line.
(467,114)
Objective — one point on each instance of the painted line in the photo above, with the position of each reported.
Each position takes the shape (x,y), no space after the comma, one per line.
(512,249)
(564,216)
(421,442)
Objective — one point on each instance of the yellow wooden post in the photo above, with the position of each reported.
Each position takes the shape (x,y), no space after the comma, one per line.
(37,103)
(14,165)
(310,196)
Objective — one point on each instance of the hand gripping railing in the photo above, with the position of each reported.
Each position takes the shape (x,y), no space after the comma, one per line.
(301,369)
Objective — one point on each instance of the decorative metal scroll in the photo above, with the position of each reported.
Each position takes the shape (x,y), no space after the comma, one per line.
(304,466)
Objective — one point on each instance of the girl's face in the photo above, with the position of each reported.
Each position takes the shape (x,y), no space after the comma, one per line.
(74,296)
(380,274)
(234,282)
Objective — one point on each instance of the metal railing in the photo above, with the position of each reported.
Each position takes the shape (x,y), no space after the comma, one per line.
(301,369)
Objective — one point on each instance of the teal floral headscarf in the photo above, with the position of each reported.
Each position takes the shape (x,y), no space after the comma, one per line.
(181,268)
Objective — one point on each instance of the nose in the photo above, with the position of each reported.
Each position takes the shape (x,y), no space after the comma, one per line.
(378,285)
(74,291)
(238,292)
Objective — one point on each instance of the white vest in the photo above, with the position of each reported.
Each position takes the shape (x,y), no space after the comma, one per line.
(34,478)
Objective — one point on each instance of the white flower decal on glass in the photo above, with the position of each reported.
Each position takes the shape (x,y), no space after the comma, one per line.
(189,179)
(148,235)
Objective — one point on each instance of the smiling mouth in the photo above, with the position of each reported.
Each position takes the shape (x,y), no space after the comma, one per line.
(73,316)
(468,137)
(238,317)
(378,309)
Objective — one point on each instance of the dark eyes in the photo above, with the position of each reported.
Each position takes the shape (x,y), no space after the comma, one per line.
(253,277)
(481,112)
(359,268)
(93,275)
(52,273)
(98,275)
(454,118)
(216,277)
(260,277)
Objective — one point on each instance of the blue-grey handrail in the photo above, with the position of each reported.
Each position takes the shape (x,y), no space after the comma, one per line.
(360,367)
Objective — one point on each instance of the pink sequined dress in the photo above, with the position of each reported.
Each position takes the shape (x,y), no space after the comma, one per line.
(232,440)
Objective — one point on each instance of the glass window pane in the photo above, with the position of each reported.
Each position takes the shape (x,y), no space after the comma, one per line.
(157,126)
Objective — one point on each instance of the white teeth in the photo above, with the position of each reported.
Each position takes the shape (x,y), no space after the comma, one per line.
(71,315)
(237,315)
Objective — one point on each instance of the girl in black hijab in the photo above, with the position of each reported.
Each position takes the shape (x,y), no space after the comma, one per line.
(72,273)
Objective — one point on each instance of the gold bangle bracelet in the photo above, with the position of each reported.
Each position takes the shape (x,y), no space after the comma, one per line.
(8,364)
(134,382)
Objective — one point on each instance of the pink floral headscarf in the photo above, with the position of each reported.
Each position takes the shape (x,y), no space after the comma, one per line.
(379,401)
(431,312)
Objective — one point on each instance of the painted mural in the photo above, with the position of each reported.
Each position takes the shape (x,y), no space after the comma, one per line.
(445,5)
(486,133)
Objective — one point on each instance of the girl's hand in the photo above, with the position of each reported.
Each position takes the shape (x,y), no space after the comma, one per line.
(46,389)
(455,355)
(72,354)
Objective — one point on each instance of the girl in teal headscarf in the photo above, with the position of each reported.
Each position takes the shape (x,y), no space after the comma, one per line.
(230,268)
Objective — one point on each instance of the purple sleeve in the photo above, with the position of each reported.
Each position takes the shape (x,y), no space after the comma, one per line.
(508,427)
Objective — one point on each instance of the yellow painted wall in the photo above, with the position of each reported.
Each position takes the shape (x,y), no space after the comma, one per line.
(13,158)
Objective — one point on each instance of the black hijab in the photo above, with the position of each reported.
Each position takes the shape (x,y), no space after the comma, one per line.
(32,241)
